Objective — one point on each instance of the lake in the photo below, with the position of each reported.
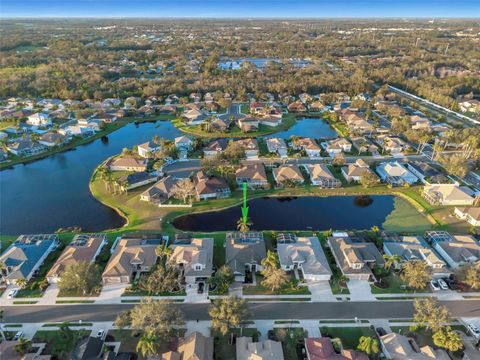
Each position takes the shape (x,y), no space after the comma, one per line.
(308,127)
(47,194)
(297,213)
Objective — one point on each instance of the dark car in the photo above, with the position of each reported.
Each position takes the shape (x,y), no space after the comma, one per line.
(381,331)
(200,288)
(271,335)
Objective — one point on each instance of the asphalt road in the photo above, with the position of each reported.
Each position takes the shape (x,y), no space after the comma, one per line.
(258,311)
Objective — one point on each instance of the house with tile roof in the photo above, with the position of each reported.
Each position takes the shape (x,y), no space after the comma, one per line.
(193,347)
(244,252)
(395,174)
(448,195)
(254,175)
(278,146)
(210,187)
(126,163)
(322,349)
(355,171)
(471,214)
(159,192)
(24,257)
(289,173)
(193,258)
(400,347)
(247,349)
(320,175)
(83,248)
(147,149)
(215,148)
(457,250)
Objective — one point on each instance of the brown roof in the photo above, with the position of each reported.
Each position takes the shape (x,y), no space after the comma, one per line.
(288,172)
(209,185)
(254,172)
(248,144)
(128,161)
(322,349)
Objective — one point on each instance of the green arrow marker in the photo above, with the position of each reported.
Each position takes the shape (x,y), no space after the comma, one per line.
(244,207)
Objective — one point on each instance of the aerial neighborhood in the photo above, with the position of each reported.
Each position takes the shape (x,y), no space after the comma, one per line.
(242,189)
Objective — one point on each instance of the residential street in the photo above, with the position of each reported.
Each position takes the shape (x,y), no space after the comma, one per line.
(258,311)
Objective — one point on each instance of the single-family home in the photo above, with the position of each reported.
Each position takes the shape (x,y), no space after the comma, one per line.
(248,123)
(322,349)
(297,106)
(471,214)
(194,116)
(126,163)
(220,124)
(457,250)
(309,145)
(254,175)
(400,347)
(250,147)
(355,171)
(271,120)
(210,187)
(363,145)
(393,145)
(193,347)
(9,351)
(305,98)
(395,174)
(336,146)
(277,145)
(448,195)
(51,139)
(136,179)
(246,349)
(39,119)
(320,175)
(427,173)
(160,192)
(410,248)
(306,255)
(130,258)
(419,122)
(25,147)
(83,248)
(244,253)
(183,143)
(288,174)
(193,258)
(146,150)
(470,105)
(23,258)
(215,148)
(355,257)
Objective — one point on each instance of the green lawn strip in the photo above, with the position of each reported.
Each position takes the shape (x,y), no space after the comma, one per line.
(22,302)
(287,322)
(289,289)
(290,338)
(13,325)
(342,321)
(224,350)
(74,301)
(279,300)
(9,335)
(348,335)
(137,292)
(69,324)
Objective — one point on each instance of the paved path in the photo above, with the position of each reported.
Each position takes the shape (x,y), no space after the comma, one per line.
(258,311)
(202,327)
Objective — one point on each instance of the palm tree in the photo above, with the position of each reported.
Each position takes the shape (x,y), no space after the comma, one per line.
(391,260)
(23,346)
(368,345)
(242,226)
(147,345)
(21,282)
(163,251)
(271,261)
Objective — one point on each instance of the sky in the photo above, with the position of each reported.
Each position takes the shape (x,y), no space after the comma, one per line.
(241,8)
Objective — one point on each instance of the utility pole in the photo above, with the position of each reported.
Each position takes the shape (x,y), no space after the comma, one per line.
(446,49)
(416,44)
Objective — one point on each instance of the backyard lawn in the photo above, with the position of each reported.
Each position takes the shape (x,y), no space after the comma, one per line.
(348,335)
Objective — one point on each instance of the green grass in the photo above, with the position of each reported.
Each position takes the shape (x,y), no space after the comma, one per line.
(69,324)
(6,123)
(74,301)
(13,325)
(54,346)
(405,217)
(421,336)
(24,302)
(348,335)
(226,351)
(136,292)
(290,288)
(290,338)
(394,286)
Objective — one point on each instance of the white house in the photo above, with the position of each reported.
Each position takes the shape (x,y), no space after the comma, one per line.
(147,149)
(336,146)
(448,194)
(39,119)
(395,174)
(470,214)
(457,250)
(183,143)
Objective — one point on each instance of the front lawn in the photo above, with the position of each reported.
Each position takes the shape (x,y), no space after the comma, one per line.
(393,285)
(291,288)
(291,338)
(348,335)
(54,345)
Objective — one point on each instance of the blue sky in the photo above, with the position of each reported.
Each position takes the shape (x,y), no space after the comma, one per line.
(240,8)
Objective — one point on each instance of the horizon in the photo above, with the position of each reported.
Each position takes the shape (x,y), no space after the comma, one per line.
(248,9)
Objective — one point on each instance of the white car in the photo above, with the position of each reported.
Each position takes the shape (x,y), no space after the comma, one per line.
(474,330)
(12,294)
(434,285)
(442,284)
(100,334)
(18,336)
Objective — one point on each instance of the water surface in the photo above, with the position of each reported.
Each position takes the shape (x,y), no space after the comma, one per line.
(308,127)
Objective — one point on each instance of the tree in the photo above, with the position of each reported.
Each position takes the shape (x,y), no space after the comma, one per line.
(163,252)
(1,325)
(162,278)
(183,189)
(227,313)
(222,279)
(368,345)
(430,314)
(147,345)
(448,339)
(339,159)
(242,226)
(158,318)
(470,275)
(65,341)
(455,164)
(234,152)
(270,261)
(23,346)
(416,274)
(275,279)
(82,277)
(22,282)
(368,179)
(391,260)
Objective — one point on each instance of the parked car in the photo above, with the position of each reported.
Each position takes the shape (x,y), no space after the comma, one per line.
(381,331)
(434,285)
(12,294)
(18,336)
(442,284)
(475,331)
(101,333)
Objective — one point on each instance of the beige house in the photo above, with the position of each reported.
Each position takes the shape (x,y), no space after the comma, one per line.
(194,347)
(306,255)
(309,145)
(355,171)
(337,146)
(84,247)
(448,195)
(193,258)
(254,175)
(471,214)
(354,257)
(250,146)
(457,250)
(277,145)
(288,173)
(266,350)
(399,347)
(127,163)
(159,192)
(244,253)
(130,258)
(320,175)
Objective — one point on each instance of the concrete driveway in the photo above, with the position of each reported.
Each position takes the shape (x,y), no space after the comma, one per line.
(360,290)
(321,291)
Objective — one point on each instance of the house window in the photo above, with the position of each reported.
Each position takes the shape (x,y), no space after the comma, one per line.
(198,267)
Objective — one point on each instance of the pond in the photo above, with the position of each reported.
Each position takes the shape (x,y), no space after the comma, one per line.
(47,194)
(297,213)
(308,127)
